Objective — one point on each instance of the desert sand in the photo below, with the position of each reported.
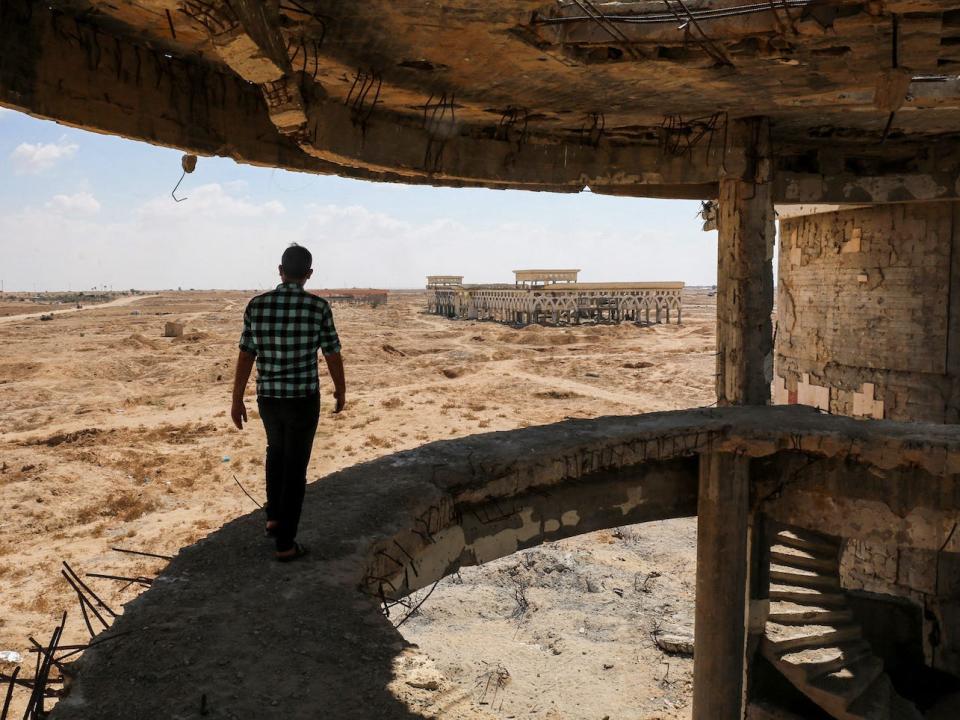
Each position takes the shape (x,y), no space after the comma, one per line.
(113,436)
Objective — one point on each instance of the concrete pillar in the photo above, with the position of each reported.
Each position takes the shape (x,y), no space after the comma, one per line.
(744,374)
(745,271)
(722,577)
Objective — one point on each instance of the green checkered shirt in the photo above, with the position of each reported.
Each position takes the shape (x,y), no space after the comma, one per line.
(285,328)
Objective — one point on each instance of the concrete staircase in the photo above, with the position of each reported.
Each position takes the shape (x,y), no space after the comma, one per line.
(812,637)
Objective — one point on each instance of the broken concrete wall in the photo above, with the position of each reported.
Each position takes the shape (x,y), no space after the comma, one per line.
(866,326)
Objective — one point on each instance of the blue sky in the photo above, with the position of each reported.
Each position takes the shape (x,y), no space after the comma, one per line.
(79,210)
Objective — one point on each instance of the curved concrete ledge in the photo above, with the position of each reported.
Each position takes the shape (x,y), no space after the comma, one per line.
(227,629)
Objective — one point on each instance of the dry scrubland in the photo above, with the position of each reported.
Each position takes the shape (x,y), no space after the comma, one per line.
(111,435)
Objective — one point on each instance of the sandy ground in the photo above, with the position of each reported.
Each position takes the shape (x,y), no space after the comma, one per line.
(112,436)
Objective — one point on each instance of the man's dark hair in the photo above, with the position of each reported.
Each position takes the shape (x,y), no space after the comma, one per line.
(296,261)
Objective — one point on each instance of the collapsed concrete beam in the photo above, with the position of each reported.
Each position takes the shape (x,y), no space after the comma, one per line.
(341,134)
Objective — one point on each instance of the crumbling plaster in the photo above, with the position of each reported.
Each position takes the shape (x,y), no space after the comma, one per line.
(865,323)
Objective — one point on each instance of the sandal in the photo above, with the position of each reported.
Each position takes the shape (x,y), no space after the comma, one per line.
(298,552)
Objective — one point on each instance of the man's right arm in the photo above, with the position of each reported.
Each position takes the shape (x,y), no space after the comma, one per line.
(245,361)
(238,409)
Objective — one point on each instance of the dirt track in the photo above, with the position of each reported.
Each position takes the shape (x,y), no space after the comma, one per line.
(119,302)
(112,435)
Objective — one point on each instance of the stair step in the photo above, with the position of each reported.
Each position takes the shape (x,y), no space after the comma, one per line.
(848,683)
(874,702)
(813,543)
(783,575)
(791,613)
(783,638)
(815,662)
(806,595)
(795,557)
(903,709)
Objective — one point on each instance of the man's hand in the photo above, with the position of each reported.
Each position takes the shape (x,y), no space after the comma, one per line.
(341,398)
(238,411)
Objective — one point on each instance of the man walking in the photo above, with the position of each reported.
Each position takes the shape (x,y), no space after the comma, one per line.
(282,331)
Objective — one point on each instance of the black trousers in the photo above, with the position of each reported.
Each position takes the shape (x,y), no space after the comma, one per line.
(291,424)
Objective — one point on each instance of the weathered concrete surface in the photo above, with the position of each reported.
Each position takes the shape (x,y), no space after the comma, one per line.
(744,268)
(723,566)
(867,309)
(260,639)
(533,94)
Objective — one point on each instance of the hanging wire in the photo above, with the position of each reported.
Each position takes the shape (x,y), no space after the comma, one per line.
(173,193)
(659,18)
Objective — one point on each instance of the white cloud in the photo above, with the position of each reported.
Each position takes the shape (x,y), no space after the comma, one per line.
(210,200)
(30,159)
(354,245)
(223,237)
(5,111)
(81,203)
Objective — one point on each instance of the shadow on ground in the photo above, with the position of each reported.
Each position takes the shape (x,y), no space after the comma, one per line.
(234,634)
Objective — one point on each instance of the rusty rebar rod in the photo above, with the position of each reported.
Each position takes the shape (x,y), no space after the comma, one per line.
(705,42)
(86,615)
(612,30)
(141,552)
(417,606)
(90,592)
(122,578)
(76,649)
(29,683)
(9,696)
(37,647)
(35,709)
(85,602)
(244,492)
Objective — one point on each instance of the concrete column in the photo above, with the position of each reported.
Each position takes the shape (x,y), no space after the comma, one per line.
(719,659)
(744,374)
(745,270)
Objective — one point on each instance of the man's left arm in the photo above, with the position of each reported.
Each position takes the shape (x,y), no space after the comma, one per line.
(330,347)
